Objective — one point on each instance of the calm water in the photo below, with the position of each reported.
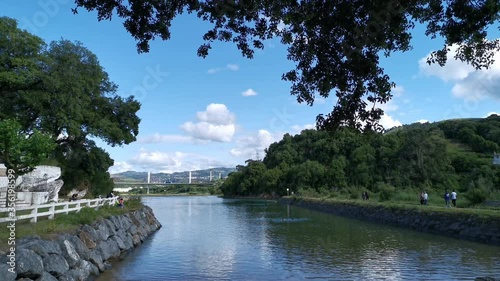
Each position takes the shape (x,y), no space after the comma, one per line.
(208,238)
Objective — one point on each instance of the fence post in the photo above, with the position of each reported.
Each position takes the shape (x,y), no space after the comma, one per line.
(66,208)
(52,210)
(78,206)
(34,213)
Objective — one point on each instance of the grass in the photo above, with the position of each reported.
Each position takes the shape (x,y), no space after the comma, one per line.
(409,201)
(64,223)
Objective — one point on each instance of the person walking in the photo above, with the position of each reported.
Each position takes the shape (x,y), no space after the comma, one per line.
(421,198)
(426,198)
(454,198)
(447,198)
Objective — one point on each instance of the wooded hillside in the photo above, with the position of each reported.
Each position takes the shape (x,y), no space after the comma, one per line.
(452,154)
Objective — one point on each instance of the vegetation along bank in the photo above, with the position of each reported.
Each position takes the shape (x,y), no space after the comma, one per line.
(84,254)
(451,222)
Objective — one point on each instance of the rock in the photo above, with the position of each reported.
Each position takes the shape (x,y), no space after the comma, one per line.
(6,274)
(91,232)
(87,240)
(119,242)
(28,264)
(103,232)
(108,249)
(89,267)
(111,227)
(80,247)
(46,277)
(43,247)
(69,252)
(56,265)
(96,259)
(77,274)
(26,240)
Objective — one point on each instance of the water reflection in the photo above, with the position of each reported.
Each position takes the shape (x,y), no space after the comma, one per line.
(207,238)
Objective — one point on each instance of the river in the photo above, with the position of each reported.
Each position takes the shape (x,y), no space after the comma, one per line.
(209,238)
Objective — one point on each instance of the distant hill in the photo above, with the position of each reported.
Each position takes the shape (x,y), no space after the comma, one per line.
(178,177)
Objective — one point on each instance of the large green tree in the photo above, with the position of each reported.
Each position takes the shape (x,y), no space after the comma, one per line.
(21,151)
(61,90)
(335,44)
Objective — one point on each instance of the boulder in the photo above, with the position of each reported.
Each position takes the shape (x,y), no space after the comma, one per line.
(28,264)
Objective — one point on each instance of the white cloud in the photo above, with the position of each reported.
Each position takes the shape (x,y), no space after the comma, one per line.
(157,159)
(217,114)
(398,91)
(249,146)
(469,83)
(389,106)
(120,167)
(249,93)
(388,122)
(158,138)
(422,121)
(233,67)
(230,66)
(298,128)
(491,113)
(217,123)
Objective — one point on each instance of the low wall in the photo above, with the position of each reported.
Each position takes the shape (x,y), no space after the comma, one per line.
(82,255)
(458,225)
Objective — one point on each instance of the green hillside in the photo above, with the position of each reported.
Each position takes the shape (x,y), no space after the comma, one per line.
(452,154)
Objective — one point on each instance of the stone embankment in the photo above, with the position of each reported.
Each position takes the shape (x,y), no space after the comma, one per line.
(84,254)
(458,225)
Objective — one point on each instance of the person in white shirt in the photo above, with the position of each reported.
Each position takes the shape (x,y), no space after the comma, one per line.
(454,198)
(426,198)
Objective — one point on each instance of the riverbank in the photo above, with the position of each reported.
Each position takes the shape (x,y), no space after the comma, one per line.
(457,223)
(82,254)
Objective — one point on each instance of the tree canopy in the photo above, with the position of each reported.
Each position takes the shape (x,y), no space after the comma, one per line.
(22,151)
(336,44)
(61,90)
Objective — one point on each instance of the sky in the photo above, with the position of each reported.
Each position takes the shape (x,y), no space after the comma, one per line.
(219,111)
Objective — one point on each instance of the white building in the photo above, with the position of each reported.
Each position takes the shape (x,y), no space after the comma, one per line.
(122,189)
(496,159)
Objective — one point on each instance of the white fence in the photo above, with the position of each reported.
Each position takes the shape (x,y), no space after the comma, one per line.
(53,210)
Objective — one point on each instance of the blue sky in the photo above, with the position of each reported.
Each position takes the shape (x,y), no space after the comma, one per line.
(220,111)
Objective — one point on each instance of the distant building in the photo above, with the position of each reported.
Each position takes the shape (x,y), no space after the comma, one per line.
(122,189)
(496,159)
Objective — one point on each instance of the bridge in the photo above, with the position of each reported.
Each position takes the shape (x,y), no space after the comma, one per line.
(139,184)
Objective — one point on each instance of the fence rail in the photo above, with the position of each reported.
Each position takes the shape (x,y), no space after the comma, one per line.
(67,207)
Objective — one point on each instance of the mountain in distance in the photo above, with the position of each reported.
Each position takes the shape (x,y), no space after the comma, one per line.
(177,177)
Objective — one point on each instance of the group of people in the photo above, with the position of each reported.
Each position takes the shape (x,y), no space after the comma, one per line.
(452,196)
(120,200)
(424,198)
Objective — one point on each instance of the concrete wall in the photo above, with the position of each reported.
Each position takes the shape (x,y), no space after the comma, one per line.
(82,255)
(459,224)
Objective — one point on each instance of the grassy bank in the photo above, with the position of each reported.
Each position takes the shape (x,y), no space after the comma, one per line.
(63,223)
(434,206)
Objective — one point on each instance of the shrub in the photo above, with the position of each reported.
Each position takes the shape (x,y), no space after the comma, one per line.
(477,195)
(354,193)
(387,191)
